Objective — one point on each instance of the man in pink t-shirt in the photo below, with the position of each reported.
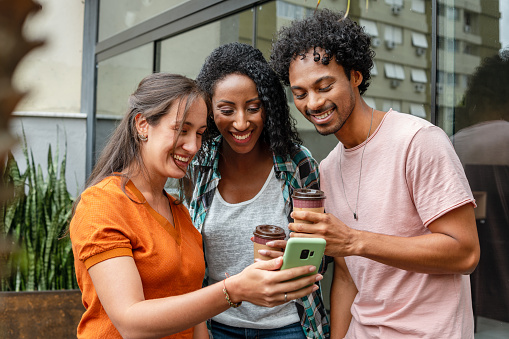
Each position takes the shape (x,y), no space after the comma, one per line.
(400,214)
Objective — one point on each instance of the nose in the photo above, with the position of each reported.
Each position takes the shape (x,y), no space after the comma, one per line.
(315,101)
(191,144)
(241,122)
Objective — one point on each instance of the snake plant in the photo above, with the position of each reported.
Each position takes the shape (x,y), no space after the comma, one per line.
(34,221)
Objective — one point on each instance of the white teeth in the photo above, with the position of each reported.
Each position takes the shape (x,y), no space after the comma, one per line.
(241,137)
(179,158)
(323,116)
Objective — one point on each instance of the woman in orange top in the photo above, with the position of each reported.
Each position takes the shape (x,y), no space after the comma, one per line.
(138,258)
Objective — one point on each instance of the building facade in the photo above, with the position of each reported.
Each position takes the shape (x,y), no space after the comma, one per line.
(428,53)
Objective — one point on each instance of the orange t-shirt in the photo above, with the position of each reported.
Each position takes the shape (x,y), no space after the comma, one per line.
(107,224)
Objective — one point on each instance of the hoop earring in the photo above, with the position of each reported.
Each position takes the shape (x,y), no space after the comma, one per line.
(142,137)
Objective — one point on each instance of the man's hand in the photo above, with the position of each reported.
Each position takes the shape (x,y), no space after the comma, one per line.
(340,238)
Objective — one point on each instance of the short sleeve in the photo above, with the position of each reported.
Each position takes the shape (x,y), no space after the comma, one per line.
(435,176)
(98,229)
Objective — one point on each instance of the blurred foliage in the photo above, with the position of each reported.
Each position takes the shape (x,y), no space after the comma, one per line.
(34,220)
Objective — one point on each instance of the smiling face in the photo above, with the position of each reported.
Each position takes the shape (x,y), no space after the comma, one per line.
(238,112)
(166,154)
(323,93)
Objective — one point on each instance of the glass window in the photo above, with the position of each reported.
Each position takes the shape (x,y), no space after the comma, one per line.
(418,110)
(473,110)
(419,75)
(116,16)
(418,6)
(369,27)
(185,53)
(374,70)
(419,40)
(393,71)
(117,78)
(393,34)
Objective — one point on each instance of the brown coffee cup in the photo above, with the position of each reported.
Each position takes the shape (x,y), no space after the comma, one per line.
(262,235)
(307,199)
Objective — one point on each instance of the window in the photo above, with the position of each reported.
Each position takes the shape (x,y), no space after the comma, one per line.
(369,27)
(290,11)
(393,71)
(418,6)
(393,35)
(419,75)
(175,56)
(418,110)
(116,16)
(370,101)
(394,104)
(374,70)
(419,40)
(394,2)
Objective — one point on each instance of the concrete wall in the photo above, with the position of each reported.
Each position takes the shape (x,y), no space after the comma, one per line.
(41,131)
(51,76)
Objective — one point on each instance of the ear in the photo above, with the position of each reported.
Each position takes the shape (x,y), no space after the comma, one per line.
(356,78)
(141,124)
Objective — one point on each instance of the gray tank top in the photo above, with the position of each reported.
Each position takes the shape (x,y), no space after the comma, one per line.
(226,232)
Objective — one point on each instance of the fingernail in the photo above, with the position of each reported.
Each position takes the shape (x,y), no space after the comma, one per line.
(319,277)
(312,269)
(270,244)
(262,252)
(315,287)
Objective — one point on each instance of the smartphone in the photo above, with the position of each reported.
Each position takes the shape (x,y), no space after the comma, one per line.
(302,252)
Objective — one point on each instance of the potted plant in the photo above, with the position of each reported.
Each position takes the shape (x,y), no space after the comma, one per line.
(40,289)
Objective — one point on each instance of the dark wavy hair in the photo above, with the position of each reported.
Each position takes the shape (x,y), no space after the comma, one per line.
(279,130)
(339,37)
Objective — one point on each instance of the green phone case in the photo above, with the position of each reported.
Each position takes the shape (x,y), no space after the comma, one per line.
(303,251)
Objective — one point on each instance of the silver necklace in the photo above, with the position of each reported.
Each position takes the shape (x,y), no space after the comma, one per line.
(355,215)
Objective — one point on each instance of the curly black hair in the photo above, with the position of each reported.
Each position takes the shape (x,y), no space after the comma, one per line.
(279,131)
(339,37)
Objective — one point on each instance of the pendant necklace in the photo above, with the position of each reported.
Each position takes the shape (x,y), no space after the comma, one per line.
(355,215)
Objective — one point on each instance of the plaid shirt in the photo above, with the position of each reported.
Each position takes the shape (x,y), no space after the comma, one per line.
(301,170)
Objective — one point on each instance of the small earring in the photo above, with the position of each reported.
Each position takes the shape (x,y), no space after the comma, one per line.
(142,137)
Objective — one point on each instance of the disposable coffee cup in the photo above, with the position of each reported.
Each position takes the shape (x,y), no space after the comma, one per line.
(262,235)
(307,199)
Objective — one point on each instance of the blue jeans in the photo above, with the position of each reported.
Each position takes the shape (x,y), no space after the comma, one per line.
(221,331)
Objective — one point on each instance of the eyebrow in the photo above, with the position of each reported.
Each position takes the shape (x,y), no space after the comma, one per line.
(231,102)
(189,124)
(325,77)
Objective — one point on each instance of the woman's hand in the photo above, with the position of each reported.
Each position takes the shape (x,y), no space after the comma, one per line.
(271,253)
(262,285)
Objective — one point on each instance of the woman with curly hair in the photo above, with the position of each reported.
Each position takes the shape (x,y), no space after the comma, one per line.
(244,176)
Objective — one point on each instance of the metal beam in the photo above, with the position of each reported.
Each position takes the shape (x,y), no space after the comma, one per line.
(88,78)
(172,22)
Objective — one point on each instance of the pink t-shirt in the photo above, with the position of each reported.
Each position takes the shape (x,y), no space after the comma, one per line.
(410,177)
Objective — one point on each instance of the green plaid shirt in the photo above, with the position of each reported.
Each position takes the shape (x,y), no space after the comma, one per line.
(298,171)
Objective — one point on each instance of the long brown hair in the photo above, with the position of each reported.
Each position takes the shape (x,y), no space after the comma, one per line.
(153,98)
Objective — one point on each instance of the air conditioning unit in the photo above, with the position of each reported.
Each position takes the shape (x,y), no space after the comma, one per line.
(420,51)
(394,83)
(375,42)
(390,44)
(396,9)
(467,28)
(440,88)
(419,88)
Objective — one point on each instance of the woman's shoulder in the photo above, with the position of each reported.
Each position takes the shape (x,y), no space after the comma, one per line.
(108,186)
